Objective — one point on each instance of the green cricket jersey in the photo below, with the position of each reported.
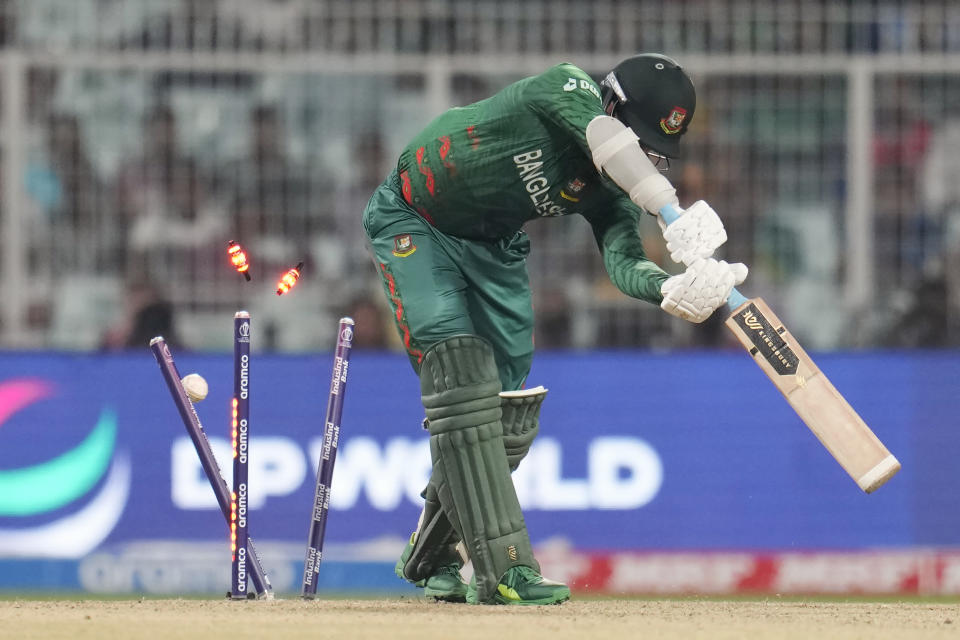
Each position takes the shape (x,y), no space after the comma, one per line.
(482,171)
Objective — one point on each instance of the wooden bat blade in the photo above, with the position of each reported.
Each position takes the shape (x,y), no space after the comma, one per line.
(818,403)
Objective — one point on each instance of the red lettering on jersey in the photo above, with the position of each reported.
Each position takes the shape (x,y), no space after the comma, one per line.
(474,138)
(444,151)
(401,319)
(425,171)
(406,187)
(407,190)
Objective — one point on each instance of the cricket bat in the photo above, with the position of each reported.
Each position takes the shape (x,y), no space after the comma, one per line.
(811,394)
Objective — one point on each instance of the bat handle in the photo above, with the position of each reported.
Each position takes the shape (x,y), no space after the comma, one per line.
(735,300)
(670,215)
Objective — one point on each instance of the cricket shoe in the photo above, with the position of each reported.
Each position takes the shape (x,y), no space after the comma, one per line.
(524,586)
(445,584)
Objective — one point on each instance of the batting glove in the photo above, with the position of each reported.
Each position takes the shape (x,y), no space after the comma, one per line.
(697,292)
(696,234)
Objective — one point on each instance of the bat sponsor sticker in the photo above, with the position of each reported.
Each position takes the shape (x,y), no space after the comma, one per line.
(767,340)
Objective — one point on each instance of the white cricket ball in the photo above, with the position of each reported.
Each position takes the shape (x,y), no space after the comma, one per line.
(195,386)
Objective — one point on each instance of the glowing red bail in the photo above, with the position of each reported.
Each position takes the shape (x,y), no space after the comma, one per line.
(239,259)
(289,279)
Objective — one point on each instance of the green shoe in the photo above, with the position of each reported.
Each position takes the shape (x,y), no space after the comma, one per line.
(445,584)
(523,585)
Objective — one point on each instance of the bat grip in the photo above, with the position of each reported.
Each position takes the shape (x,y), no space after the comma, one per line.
(670,215)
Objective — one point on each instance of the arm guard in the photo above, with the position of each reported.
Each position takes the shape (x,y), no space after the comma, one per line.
(699,230)
(616,152)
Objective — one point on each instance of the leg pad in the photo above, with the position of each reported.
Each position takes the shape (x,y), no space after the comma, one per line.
(521,421)
(459,386)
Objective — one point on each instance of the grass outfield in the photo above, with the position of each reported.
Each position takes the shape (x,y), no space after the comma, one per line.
(414,618)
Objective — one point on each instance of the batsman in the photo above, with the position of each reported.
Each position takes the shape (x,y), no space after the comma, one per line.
(446,231)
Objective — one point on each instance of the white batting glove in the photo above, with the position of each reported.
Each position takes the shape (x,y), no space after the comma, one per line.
(696,234)
(697,292)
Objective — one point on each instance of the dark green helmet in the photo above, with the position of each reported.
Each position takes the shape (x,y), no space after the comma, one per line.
(651,94)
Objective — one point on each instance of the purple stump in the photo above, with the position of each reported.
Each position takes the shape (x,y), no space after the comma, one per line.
(192,422)
(239,434)
(331,435)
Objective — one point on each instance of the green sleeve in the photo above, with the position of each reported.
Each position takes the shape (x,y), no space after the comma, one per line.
(567,97)
(616,231)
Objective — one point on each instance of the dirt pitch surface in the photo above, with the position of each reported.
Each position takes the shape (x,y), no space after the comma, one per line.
(406,618)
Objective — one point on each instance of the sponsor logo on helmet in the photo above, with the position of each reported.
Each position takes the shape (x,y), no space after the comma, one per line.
(672,123)
(403,245)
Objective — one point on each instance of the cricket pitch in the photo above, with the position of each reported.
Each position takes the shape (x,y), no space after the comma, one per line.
(415,619)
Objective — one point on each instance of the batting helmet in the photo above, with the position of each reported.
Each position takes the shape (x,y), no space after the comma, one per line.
(651,94)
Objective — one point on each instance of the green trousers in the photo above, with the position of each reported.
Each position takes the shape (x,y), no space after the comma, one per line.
(441,286)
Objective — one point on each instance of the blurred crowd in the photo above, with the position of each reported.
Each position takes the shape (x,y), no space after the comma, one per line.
(157,214)
(467,26)
(133,180)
